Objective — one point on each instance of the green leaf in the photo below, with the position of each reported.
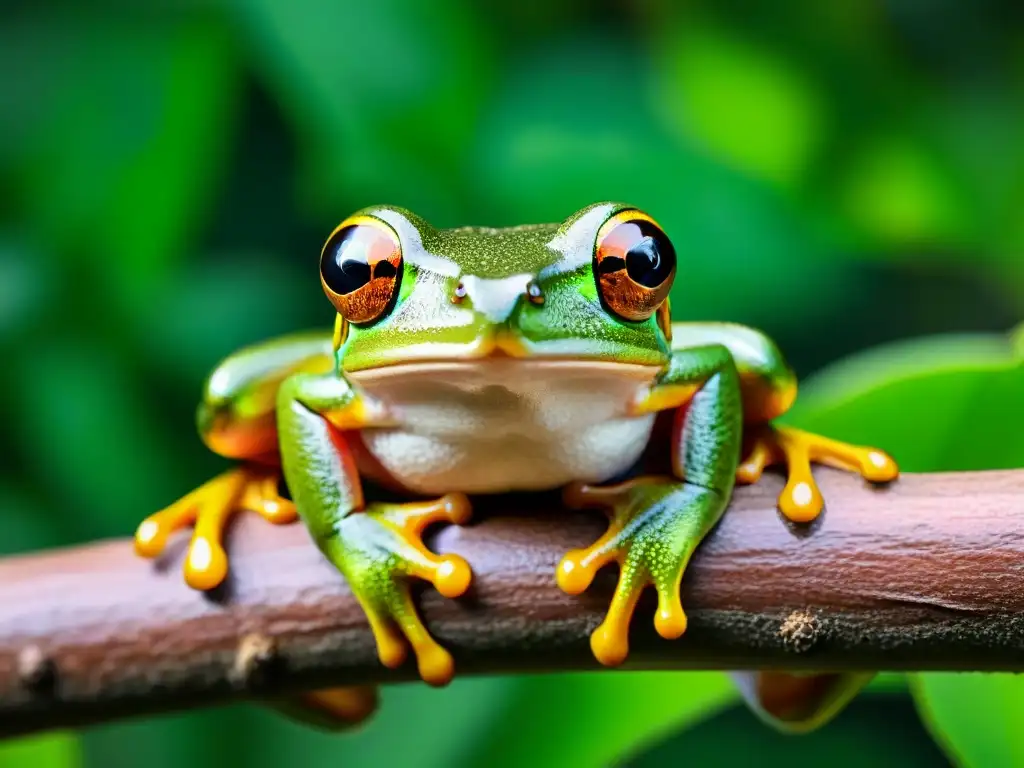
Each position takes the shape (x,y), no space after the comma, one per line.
(123,160)
(24,289)
(245,296)
(874,730)
(944,403)
(25,525)
(887,683)
(101,451)
(51,750)
(904,195)
(384,95)
(716,85)
(889,397)
(205,738)
(977,133)
(975,717)
(594,719)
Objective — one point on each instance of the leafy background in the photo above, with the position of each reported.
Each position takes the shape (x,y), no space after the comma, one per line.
(847,176)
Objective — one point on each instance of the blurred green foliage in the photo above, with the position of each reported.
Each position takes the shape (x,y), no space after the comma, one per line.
(841,175)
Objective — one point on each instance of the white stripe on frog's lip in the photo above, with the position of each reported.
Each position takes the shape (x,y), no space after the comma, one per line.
(495,298)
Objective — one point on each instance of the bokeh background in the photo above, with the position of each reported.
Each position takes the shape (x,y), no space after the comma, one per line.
(848,177)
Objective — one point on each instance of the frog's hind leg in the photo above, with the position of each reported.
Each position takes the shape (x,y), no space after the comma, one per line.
(798,702)
(208,509)
(330,709)
(253,488)
(236,418)
(769,388)
(801,500)
(656,523)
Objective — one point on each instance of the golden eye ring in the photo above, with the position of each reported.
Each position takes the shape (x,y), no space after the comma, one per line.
(634,265)
(361,268)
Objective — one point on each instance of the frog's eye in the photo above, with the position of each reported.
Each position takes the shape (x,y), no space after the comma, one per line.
(634,264)
(360,268)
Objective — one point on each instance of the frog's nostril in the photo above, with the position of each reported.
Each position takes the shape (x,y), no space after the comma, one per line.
(534,293)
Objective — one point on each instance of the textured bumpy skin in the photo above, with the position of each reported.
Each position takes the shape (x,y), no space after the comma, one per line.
(480,360)
(656,523)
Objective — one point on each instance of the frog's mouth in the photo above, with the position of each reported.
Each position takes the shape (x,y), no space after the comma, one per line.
(498,355)
(498,364)
(499,350)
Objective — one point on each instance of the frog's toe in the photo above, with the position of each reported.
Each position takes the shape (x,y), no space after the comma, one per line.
(434,663)
(801,499)
(379,551)
(752,467)
(208,509)
(578,567)
(610,641)
(261,496)
(152,533)
(655,525)
(415,517)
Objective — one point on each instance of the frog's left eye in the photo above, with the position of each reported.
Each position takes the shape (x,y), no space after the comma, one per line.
(360,268)
(634,265)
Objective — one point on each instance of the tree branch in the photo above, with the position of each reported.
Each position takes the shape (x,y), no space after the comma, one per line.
(923,575)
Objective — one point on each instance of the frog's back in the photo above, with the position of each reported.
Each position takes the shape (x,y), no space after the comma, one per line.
(490,252)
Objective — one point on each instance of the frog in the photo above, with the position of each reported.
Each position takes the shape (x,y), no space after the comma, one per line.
(477,360)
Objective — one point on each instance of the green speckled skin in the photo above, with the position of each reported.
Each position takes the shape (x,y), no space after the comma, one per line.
(425,325)
(715,377)
(657,522)
(666,519)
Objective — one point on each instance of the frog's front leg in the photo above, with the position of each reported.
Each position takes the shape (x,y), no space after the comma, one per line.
(656,523)
(378,546)
(236,419)
(793,702)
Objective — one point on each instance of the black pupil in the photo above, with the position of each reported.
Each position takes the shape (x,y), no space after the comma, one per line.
(345,264)
(650,261)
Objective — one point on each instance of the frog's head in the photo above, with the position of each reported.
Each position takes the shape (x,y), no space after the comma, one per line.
(593,288)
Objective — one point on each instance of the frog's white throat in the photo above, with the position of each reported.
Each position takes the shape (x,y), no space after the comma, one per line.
(506,424)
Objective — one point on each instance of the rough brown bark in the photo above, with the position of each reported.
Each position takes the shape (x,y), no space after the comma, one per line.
(926,574)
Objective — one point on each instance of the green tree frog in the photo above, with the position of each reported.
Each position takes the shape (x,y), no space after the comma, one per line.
(479,361)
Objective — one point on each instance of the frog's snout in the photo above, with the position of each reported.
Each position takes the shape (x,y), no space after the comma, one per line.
(496,298)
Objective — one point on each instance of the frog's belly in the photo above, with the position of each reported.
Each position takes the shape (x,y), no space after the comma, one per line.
(513,427)
(433,464)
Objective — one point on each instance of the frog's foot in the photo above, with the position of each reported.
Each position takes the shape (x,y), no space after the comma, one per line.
(209,508)
(801,500)
(378,551)
(333,709)
(655,525)
(798,702)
